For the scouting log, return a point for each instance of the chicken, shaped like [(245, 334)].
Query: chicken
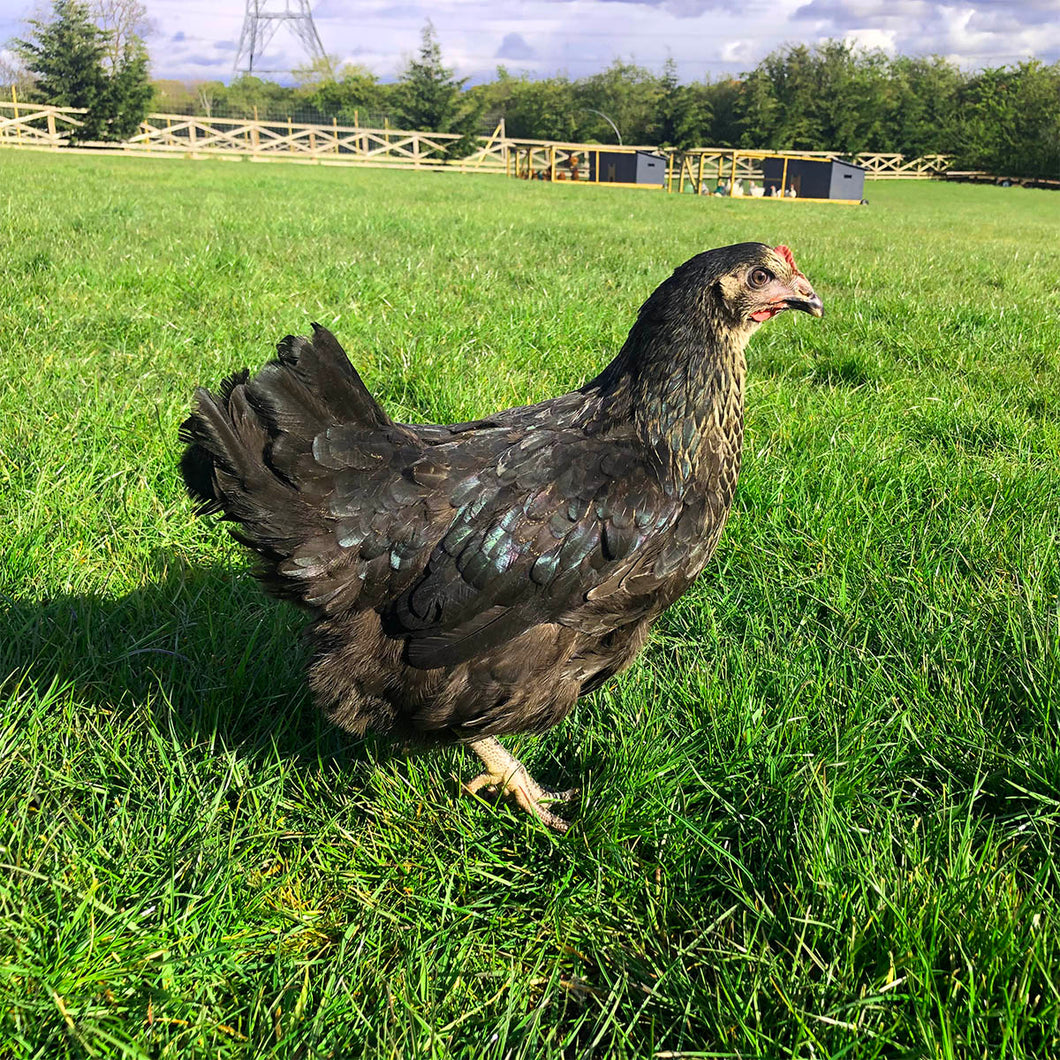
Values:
[(474, 580)]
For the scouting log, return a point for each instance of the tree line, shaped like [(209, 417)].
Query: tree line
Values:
[(825, 97)]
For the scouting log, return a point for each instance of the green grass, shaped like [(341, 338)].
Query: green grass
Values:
[(820, 812)]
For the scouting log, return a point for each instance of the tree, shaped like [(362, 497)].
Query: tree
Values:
[(209, 94), (125, 25), (756, 111), (428, 97), (923, 103), (318, 71), (1008, 121), (684, 112), (786, 91), (348, 90), (829, 97), (723, 97), (66, 56), (627, 94), (13, 74), (249, 95), (127, 91), (73, 68), (533, 109)]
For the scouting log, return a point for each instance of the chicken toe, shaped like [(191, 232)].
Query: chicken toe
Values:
[(507, 775)]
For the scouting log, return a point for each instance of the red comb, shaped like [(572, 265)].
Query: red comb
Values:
[(786, 254)]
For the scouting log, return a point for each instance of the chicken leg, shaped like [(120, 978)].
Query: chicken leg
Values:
[(505, 773)]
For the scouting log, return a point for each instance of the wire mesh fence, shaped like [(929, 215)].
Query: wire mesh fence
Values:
[(299, 112), (302, 114)]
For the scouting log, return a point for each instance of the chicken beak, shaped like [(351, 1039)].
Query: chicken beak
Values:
[(807, 300)]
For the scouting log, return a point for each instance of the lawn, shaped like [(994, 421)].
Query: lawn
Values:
[(818, 816)]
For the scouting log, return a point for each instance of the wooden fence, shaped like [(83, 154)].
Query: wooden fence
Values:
[(703, 164), (183, 136), (33, 126), (898, 166), (351, 145)]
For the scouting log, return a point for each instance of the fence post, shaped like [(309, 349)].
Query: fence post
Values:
[(18, 127), (254, 139), (51, 129), (335, 131)]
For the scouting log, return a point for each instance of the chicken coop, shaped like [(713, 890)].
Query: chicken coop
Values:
[(794, 176), (822, 178), (610, 165), (627, 167)]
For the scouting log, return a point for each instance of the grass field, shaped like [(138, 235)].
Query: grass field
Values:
[(819, 815)]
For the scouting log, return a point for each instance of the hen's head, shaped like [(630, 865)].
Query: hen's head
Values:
[(751, 283)]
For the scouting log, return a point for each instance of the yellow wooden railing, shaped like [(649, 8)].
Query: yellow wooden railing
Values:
[(181, 135)]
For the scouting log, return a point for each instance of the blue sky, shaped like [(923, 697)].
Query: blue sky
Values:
[(196, 39)]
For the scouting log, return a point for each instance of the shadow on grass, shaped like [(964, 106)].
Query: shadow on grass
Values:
[(688, 873), (209, 657), (202, 649)]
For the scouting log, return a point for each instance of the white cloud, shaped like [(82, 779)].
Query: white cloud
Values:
[(579, 37), (738, 52), (872, 39), (972, 33)]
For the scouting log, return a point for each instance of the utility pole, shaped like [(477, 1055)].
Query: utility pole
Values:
[(260, 24)]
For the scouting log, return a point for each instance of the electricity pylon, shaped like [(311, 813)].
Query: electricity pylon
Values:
[(260, 24)]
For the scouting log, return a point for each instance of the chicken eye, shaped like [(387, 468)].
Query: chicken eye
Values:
[(759, 277)]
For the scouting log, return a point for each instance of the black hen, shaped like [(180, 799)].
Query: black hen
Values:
[(472, 580)]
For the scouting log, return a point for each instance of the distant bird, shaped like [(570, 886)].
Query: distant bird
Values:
[(473, 580)]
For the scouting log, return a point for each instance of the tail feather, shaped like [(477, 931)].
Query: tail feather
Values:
[(250, 447), (321, 364), (214, 443)]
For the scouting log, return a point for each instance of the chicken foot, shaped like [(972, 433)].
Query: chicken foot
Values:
[(505, 773)]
